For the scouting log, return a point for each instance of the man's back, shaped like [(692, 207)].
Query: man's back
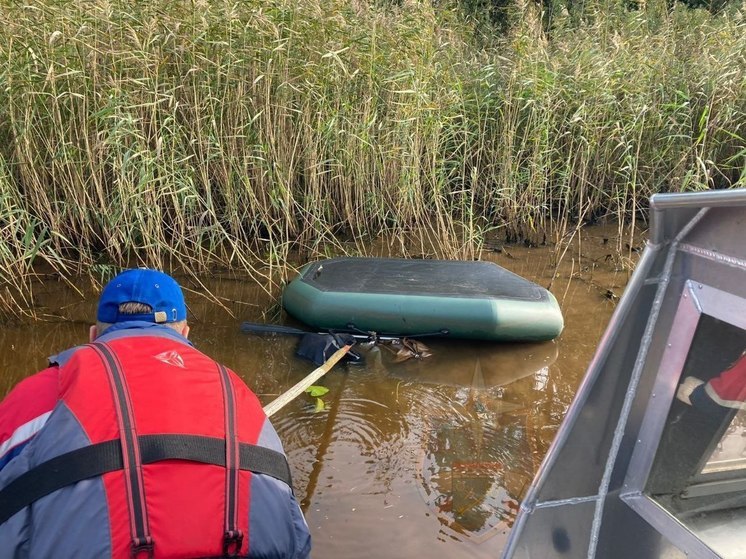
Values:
[(184, 441)]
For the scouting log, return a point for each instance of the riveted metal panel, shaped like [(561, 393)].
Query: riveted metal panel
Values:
[(694, 263)]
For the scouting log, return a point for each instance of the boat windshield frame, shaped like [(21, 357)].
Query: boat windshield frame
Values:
[(696, 300)]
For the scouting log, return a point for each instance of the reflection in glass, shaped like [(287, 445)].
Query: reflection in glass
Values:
[(699, 471), (730, 452)]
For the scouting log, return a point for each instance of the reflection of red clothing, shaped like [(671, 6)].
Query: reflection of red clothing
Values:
[(729, 388)]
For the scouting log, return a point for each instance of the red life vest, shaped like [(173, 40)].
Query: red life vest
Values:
[(159, 404)]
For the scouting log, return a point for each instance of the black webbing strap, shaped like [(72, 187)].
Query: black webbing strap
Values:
[(142, 541), (232, 536), (98, 459), (54, 474)]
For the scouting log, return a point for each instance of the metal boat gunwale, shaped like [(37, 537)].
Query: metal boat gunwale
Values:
[(592, 495)]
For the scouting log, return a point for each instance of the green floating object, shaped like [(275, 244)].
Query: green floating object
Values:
[(317, 391), (402, 297)]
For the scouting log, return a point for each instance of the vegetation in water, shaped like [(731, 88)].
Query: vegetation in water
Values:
[(317, 392), (249, 135)]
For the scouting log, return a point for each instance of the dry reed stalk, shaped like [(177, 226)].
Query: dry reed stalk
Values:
[(252, 135)]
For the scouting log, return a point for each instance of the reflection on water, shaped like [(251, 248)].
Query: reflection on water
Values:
[(473, 473), (479, 365), (730, 452), (414, 458)]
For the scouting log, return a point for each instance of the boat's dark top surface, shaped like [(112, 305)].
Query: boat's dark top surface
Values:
[(439, 278)]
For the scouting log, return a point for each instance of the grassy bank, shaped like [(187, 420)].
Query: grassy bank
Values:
[(236, 134)]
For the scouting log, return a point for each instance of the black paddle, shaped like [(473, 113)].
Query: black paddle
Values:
[(316, 347), (259, 328)]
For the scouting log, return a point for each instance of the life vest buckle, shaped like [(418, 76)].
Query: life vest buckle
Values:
[(142, 546), (232, 541)]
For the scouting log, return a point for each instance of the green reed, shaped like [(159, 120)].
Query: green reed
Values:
[(259, 134)]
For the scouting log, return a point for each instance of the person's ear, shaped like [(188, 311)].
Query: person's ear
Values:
[(92, 333), (185, 331)]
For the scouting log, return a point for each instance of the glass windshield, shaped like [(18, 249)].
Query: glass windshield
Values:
[(699, 471)]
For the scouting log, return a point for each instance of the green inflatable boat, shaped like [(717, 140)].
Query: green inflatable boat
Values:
[(402, 297)]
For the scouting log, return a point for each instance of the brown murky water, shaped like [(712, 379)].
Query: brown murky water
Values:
[(420, 458)]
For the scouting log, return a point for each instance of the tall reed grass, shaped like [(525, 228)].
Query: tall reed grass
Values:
[(250, 135)]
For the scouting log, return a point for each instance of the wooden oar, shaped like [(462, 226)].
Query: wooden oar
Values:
[(301, 386)]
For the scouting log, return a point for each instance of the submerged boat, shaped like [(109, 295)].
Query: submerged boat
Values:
[(647, 464), (460, 299)]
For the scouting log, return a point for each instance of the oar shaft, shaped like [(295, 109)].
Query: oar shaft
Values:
[(301, 386), (256, 328)]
